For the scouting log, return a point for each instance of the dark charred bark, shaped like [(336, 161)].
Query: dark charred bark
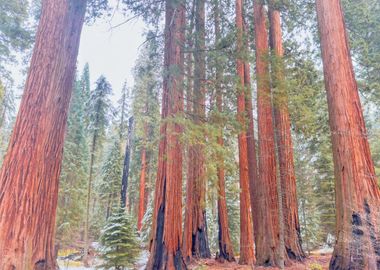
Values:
[(127, 160), (30, 173), (356, 191), (167, 216)]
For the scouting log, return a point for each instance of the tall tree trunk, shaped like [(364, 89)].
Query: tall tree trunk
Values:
[(89, 191), (357, 193), (196, 230), (167, 216), (292, 232), (142, 186), (247, 254), (224, 240), (266, 199), (188, 225), (30, 172), (251, 144), (127, 159)]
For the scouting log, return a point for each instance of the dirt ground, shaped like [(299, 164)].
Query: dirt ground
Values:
[(314, 262)]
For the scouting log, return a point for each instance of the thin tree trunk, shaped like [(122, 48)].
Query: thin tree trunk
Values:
[(188, 225), (89, 190), (30, 173), (292, 232), (167, 216), (266, 201), (142, 189), (356, 190), (127, 159), (224, 240), (247, 254)]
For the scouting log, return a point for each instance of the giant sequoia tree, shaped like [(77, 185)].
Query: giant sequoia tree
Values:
[(247, 255), (167, 216), (266, 222), (357, 193), (292, 233), (30, 172), (195, 231)]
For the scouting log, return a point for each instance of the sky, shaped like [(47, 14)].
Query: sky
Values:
[(111, 52)]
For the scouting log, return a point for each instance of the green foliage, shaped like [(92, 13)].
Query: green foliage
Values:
[(120, 244), (14, 33), (74, 170)]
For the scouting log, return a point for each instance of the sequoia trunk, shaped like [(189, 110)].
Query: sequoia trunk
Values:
[(266, 211), (142, 190), (167, 216), (225, 245), (247, 255), (198, 244), (357, 193), (292, 233), (30, 172)]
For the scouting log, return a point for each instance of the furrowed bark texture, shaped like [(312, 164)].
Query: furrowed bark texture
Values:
[(251, 144), (292, 232), (224, 240), (266, 213), (167, 216), (30, 173), (142, 189), (357, 194), (247, 254), (196, 232)]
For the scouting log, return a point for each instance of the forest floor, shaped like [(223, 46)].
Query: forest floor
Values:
[(313, 262), (316, 261)]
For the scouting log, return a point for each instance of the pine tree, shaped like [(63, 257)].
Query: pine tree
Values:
[(120, 244), (74, 173), (99, 113)]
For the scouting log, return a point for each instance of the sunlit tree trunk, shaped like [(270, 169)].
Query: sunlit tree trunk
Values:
[(167, 216), (247, 255), (357, 193), (30, 172), (266, 201), (224, 240), (292, 233)]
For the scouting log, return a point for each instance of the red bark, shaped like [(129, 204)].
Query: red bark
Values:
[(225, 245), (292, 233), (266, 210), (247, 255), (251, 144), (357, 193), (195, 231), (30, 172), (142, 190), (167, 216)]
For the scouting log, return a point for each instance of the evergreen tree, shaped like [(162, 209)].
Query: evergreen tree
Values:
[(120, 244), (99, 106), (72, 192)]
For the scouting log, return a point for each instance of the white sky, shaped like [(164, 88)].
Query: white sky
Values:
[(111, 52)]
